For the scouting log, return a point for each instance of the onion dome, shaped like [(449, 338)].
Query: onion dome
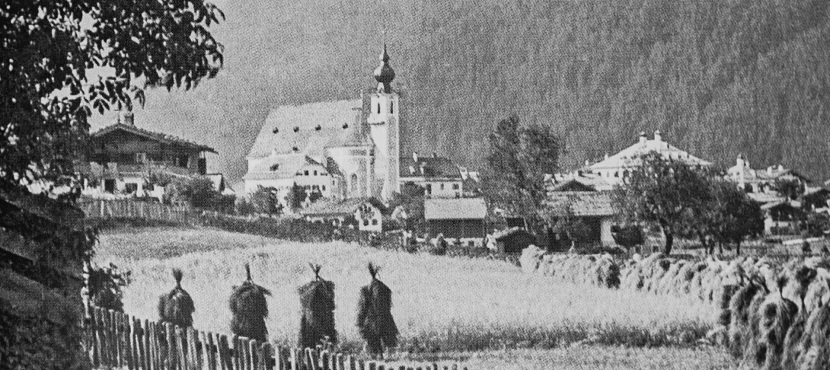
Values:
[(384, 74)]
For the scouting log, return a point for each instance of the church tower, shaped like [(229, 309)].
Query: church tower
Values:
[(383, 122)]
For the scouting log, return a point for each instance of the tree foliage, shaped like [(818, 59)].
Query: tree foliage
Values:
[(665, 193), (49, 48), (518, 159), (265, 200), (411, 201), (730, 216)]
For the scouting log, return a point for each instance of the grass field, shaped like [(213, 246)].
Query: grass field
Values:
[(443, 306)]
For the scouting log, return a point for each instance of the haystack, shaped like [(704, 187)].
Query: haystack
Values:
[(249, 309), (176, 306), (374, 316), (814, 348), (317, 318), (770, 322)]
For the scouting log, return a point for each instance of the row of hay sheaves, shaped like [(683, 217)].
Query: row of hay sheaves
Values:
[(773, 314)]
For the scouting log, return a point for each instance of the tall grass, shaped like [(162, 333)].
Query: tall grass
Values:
[(439, 303)]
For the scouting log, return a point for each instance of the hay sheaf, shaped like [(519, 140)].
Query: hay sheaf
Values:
[(176, 306), (249, 309)]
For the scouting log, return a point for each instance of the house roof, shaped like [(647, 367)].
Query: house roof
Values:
[(326, 207), (156, 136), (781, 204), (582, 203), (429, 167), (454, 208), (286, 167), (630, 157), (311, 128), (766, 197), (771, 173)]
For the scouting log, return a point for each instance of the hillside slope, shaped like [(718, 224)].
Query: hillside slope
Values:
[(718, 78)]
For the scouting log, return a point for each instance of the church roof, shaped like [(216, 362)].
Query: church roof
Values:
[(309, 129), (629, 157)]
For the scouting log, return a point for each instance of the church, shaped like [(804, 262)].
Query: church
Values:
[(337, 149)]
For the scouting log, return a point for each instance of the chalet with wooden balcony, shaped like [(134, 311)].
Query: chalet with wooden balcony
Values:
[(124, 159)]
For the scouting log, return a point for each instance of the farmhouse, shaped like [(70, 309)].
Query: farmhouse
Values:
[(460, 219), (614, 169), (593, 208), (438, 176), (343, 149), (366, 212), (124, 158), (782, 217)]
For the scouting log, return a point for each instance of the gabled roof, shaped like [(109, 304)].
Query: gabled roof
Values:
[(582, 203), (630, 157), (454, 209), (327, 207), (429, 167), (155, 136), (310, 128)]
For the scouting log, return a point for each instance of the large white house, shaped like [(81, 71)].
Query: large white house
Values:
[(341, 149), (614, 169)]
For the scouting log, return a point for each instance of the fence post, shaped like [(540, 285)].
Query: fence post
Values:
[(192, 348), (295, 358), (180, 348), (250, 352), (224, 353)]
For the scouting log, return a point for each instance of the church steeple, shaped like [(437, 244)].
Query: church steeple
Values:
[(384, 74)]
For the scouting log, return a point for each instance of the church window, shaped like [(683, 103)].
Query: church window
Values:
[(276, 130), (391, 107), (442, 186), (296, 128), (353, 185), (318, 128), (323, 187), (275, 166), (378, 108)]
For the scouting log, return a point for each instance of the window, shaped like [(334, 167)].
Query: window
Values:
[(130, 187), (378, 108), (374, 221), (429, 188), (140, 157), (315, 172), (365, 222), (305, 172), (323, 188), (391, 107), (275, 166), (442, 186), (454, 186), (182, 160)]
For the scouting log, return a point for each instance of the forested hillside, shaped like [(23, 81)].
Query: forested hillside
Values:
[(717, 77)]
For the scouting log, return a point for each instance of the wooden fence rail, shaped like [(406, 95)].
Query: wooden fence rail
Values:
[(106, 209), (115, 339)]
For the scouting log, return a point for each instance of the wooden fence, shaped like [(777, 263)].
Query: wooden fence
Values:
[(126, 208), (115, 339)]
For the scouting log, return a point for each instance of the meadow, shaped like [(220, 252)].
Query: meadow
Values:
[(483, 311)]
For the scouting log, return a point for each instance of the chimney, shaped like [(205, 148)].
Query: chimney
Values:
[(740, 162), (128, 118), (587, 163), (642, 137), (657, 137), (415, 156), (606, 154)]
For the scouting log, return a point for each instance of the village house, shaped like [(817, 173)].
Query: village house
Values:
[(366, 212), (124, 158), (616, 168), (438, 176), (342, 149), (579, 201), (457, 219)]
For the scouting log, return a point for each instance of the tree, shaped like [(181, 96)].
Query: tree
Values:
[(296, 196), (47, 98), (663, 193), (518, 160), (730, 216), (789, 187), (265, 200), (628, 235), (411, 200)]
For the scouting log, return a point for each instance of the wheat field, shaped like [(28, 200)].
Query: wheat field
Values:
[(441, 304)]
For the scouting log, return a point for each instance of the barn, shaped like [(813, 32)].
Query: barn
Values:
[(458, 219)]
